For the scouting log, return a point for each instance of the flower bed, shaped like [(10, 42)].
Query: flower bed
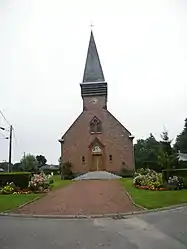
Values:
[(150, 188), (39, 183), (150, 180)]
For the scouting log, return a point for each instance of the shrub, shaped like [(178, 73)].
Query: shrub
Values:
[(148, 179), (175, 183), (20, 179), (174, 172), (39, 182), (145, 171), (8, 189), (67, 173), (139, 180), (51, 181)]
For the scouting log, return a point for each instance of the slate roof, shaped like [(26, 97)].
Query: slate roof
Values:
[(93, 71)]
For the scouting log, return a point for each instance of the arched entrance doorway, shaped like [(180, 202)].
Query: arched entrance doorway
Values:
[(97, 156)]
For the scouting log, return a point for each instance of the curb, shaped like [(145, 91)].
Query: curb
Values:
[(114, 216), (136, 205)]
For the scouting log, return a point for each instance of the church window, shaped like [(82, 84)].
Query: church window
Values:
[(83, 159), (92, 127), (110, 157), (95, 126)]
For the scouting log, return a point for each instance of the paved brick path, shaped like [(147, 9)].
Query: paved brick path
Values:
[(83, 197)]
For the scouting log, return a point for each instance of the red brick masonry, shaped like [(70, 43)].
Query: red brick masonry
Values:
[(83, 198)]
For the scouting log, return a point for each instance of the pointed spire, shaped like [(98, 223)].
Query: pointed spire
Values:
[(93, 71)]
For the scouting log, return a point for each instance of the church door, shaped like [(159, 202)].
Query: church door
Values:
[(97, 163)]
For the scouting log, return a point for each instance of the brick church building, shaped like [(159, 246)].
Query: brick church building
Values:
[(96, 140)]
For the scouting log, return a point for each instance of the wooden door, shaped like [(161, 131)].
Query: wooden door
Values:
[(97, 163)]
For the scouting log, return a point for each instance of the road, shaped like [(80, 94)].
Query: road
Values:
[(162, 230)]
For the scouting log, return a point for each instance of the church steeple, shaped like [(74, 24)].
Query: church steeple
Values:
[(93, 71), (93, 80)]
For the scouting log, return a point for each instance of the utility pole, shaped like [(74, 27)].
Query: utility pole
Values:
[(10, 149)]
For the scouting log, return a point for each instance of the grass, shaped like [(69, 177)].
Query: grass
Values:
[(58, 183), (154, 199), (8, 202)]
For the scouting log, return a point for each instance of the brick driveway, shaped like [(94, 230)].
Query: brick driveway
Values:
[(83, 198)]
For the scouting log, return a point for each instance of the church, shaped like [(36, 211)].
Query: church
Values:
[(96, 141)]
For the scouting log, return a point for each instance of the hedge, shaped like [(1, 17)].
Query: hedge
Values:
[(174, 172), (21, 179)]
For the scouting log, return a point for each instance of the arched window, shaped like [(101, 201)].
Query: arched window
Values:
[(95, 125)]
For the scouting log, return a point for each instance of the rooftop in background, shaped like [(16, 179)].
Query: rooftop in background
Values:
[(51, 166), (182, 156)]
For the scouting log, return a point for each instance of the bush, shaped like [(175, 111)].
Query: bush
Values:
[(67, 173), (8, 189), (148, 178), (145, 171), (39, 182), (20, 179), (51, 181), (175, 183), (139, 180), (182, 173)]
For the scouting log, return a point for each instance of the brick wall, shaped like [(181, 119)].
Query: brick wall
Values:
[(114, 138)]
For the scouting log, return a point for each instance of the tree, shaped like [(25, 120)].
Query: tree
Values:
[(167, 161), (146, 153), (17, 167), (181, 140), (29, 163), (41, 160), (167, 156), (4, 165), (166, 143)]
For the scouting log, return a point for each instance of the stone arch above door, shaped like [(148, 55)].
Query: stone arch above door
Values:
[(96, 146), (97, 156)]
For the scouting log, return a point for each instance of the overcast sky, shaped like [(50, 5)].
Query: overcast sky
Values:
[(43, 43)]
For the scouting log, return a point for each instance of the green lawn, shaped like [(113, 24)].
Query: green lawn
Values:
[(154, 199), (58, 183), (8, 202)]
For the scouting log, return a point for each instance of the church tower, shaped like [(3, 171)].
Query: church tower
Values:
[(93, 87), (96, 141)]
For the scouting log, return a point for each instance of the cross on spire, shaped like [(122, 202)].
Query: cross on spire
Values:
[(91, 25)]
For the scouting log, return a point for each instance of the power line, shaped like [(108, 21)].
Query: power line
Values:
[(2, 134), (4, 118), (4, 137)]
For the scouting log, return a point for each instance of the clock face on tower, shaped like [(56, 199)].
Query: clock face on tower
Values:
[(93, 101)]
